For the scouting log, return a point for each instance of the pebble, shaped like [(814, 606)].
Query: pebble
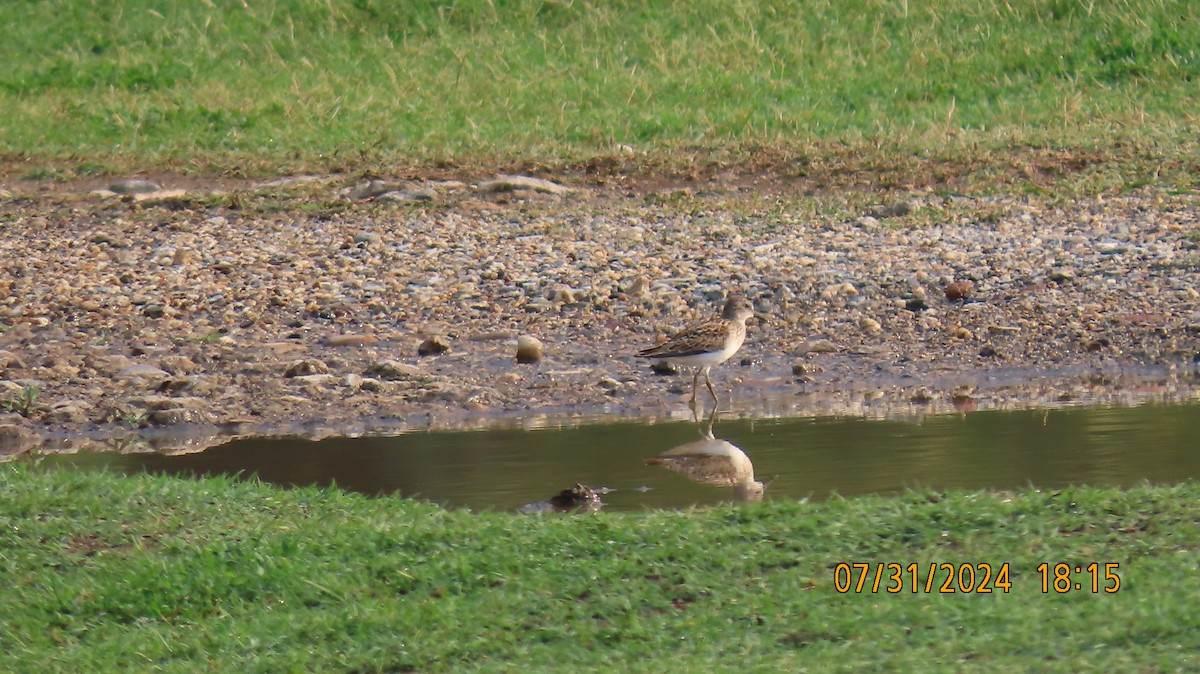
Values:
[(390, 370), (959, 290), (609, 384), (870, 325), (301, 368), (839, 290), (324, 380), (529, 349), (70, 411), (1062, 274), (177, 364), (663, 367), (434, 345)]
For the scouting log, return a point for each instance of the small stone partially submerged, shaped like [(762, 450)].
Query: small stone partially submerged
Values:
[(529, 349)]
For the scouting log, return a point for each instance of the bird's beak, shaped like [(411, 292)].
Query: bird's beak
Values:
[(762, 317)]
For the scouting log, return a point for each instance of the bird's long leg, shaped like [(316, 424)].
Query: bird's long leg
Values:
[(712, 417), (708, 382), (695, 385)]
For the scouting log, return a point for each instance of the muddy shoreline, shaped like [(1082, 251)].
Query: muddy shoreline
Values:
[(176, 315)]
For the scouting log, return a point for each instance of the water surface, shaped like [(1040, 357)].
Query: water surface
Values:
[(794, 457)]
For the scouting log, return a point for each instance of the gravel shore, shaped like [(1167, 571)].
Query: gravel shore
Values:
[(192, 310)]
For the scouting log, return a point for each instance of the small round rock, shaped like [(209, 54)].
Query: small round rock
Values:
[(433, 346), (302, 368), (529, 349), (959, 290)]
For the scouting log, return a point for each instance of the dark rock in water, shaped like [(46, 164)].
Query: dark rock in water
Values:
[(664, 367), (916, 304)]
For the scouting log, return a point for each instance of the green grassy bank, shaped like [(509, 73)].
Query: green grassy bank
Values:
[(266, 85), (103, 573)]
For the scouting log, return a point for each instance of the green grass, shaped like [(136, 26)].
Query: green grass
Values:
[(224, 85), (104, 573)]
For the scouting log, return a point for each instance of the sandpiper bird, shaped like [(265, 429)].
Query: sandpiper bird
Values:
[(707, 344)]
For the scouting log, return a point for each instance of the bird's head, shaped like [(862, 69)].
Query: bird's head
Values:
[(737, 308)]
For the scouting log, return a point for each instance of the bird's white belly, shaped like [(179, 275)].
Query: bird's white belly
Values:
[(704, 359)]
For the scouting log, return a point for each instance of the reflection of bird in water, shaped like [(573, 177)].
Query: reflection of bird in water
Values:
[(716, 462), (707, 344)]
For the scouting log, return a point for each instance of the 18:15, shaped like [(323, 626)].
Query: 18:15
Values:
[(1057, 577)]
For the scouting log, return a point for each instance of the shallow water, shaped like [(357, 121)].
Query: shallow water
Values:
[(793, 457)]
